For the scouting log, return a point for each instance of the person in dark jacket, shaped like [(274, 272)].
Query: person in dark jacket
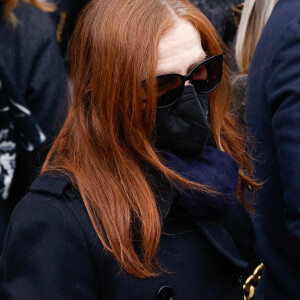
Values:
[(273, 117), (32, 97), (65, 18), (141, 196), (220, 14)]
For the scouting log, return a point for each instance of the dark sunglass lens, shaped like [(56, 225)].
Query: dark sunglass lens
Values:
[(207, 76), (200, 73), (168, 90)]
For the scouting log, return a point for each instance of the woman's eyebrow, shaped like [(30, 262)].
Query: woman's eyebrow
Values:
[(198, 61)]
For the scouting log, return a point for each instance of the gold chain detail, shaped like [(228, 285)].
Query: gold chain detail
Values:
[(251, 283), (60, 26)]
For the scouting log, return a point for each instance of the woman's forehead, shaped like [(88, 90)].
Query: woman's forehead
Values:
[(179, 48)]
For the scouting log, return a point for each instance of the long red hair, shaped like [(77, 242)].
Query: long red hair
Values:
[(107, 135)]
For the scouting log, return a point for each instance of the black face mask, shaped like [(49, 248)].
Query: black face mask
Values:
[(182, 127)]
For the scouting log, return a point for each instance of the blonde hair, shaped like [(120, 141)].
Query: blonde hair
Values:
[(10, 5), (254, 18)]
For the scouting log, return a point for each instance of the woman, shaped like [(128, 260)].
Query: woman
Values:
[(32, 95), (138, 197)]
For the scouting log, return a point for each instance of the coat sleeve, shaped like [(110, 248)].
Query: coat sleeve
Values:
[(283, 92), (45, 255)]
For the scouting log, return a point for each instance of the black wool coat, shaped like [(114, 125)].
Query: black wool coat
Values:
[(52, 252)]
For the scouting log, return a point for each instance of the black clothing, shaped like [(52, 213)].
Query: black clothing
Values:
[(220, 14), (65, 18), (52, 251), (33, 80)]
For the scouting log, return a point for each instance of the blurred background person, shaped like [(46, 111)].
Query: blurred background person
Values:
[(220, 13), (69, 11), (64, 18), (32, 96), (254, 18), (268, 50)]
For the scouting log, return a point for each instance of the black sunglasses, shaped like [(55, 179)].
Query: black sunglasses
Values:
[(205, 77)]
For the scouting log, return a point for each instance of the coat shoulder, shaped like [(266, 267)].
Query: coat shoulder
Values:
[(53, 203), (55, 184), (44, 245), (48, 201), (284, 17)]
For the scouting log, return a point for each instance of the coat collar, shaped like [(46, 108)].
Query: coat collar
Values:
[(53, 183), (56, 184)]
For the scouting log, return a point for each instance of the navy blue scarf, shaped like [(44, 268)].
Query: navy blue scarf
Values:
[(221, 218), (215, 169)]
